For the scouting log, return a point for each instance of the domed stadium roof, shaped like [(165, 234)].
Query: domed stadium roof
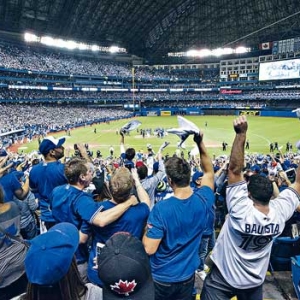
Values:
[(152, 28)]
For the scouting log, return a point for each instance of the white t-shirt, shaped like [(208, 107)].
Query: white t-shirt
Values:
[(242, 250)]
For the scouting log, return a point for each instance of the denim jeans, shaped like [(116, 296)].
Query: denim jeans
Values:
[(206, 245), (30, 231), (182, 290)]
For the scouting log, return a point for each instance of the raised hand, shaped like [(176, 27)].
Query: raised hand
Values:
[(240, 125)]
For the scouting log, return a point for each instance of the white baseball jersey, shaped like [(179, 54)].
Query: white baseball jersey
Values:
[(242, 250)]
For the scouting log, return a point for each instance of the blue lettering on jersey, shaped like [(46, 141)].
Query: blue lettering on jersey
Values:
[(259, 229)]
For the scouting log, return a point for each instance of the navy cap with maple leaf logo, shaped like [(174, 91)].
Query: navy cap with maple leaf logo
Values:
[(124, 268)]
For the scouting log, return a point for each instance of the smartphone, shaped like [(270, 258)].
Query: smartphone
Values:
[(99, 247), (290, 173), (75, 147)]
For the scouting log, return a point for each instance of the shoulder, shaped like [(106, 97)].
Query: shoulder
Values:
[(140, 207), (10, 207), (106, 204), (163, 204), (204, 190), (61, 188)]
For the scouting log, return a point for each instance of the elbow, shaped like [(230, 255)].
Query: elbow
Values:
[(235, 171), (102, 223), (99, 221), (148, 250), (22, 195)]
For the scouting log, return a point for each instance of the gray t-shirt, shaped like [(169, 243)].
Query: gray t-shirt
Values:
[(94, 292)]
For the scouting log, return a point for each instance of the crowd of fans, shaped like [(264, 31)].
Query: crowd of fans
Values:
[(41, 68), (121, 97), (72, 207), (99, 197), (27, 121), (12, 57)]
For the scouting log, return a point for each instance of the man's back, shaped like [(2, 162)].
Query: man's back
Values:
[(9, 183), (179, 223), (43, 178), (249, 233), (132, 221)]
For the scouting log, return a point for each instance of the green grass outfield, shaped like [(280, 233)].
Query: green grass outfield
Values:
[(261, 131)]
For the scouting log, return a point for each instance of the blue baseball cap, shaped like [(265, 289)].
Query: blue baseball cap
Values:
[(3, 152), (216, 168), (197, 175), (50, 255), (255, 168), (50, 143)]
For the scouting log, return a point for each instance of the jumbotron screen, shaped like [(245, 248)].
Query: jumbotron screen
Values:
[(278, 70)]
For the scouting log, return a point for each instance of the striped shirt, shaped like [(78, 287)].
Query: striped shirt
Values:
[(12, 253)]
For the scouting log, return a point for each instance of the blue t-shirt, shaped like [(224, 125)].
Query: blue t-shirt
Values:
[(10, 183), (211, 218), (43, 178), (179, 224), (132, 221), (72, 205)]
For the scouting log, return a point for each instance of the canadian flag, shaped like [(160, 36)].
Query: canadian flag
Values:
[(265, 46)]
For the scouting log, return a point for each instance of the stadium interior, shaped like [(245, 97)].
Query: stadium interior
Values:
[(167, 57)]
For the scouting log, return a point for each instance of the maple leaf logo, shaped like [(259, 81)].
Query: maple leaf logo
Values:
[(123, 287)]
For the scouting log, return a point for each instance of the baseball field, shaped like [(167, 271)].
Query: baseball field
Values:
[(261, 132)]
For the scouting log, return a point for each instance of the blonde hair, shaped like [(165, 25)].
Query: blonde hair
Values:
[(121, 184)]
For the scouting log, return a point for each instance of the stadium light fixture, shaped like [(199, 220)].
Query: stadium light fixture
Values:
[(205, 52), (241, 50), (217, 52), (82, 46), (208, 52), (113, 49), (70, 45), (95, 48), (47, 40), (60, 43), (227, 51), (29, 37), (192, 53)]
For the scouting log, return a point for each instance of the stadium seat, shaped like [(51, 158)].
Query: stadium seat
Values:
[(282, 250)]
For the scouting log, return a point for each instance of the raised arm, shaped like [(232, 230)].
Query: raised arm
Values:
[(205, 161), (83, 152), (296, 184), (236, 162), (142, 194), (122, 141)]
